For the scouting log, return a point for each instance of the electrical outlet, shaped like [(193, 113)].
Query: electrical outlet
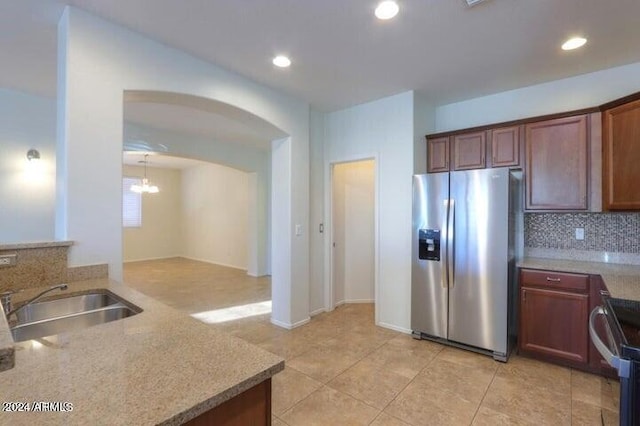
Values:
[(579, 233), (7, 260)]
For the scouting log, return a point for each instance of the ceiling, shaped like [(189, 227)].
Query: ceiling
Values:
[(160, 161), (341, 54), (192, 121)]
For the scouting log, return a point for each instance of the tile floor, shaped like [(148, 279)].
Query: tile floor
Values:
[(343, 370)]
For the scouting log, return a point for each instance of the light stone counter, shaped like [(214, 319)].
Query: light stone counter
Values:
[(622, 281), (7, 354), (42, 244), (157, 367)]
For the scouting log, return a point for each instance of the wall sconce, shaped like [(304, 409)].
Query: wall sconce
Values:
[(34, 169), (33, 154)]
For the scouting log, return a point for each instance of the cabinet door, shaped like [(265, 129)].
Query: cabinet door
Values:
[(554, 324), (505, 146), (469, 151), (251, 407), (621, 157), (556, 164), (438, 155)]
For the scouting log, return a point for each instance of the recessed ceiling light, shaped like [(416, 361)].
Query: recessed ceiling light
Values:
[(281, 61), (387, 10), (574, 43)]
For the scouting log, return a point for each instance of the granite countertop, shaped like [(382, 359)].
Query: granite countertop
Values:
[(41, 244), (157, 367), (622, 281)]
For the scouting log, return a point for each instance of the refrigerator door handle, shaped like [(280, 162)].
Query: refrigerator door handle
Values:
[(451, 256), (445, 244)]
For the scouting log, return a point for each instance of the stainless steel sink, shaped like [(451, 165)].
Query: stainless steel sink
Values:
[(65, 306), (71, 313)]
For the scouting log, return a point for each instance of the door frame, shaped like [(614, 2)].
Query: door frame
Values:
[(329, 292)]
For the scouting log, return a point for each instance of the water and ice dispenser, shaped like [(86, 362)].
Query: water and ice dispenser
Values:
[(429, 244)]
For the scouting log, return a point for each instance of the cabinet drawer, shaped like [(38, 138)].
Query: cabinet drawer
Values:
[(557, 280)]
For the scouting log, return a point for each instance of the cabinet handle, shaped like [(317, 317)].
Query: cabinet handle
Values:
[(524, 295), (554, 280)]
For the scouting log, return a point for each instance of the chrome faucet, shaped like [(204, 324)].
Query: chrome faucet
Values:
[(6, 299)]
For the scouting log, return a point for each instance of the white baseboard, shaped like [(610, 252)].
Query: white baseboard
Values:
[(215, 263), (197, 260), (342, 302), (302, 322), (394, 327), (359, 301), (317, 312), (290, 326), (256, 275), (151, 258)]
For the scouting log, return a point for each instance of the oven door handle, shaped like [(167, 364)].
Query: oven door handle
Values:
[(623, 366)]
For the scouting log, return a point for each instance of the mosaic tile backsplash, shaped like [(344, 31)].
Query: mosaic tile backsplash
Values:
[(603, 232)]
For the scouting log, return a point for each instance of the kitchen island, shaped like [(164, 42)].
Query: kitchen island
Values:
[(157, 367)]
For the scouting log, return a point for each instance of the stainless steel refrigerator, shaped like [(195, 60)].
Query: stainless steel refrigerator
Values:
[(467, 236)]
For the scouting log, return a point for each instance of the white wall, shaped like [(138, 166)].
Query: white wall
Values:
[(583, 91), (97, 61), (316, 211), (215, 214), (424, 123), (252, 160), (383, 130), (353, 225), (159, 236), (27, 193), (226, 153)]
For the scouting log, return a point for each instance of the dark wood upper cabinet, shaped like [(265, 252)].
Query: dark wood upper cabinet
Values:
[(466, 151), (556, 164), (438, 155), (469, 150), (621, 157), (505, 146)]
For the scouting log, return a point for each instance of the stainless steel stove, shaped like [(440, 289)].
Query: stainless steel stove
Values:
[(621, 350)]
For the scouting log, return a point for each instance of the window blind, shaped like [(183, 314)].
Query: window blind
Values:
[(131, 203)]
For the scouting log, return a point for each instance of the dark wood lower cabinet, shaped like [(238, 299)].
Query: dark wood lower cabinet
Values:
[(554, 319), (553, 324), (252, 407)]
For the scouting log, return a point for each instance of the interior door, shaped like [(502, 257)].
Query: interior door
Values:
[(478, 278), (428, 277), (353, 231)]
